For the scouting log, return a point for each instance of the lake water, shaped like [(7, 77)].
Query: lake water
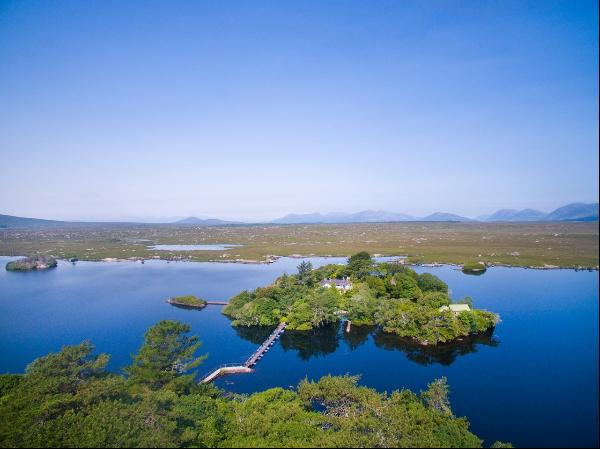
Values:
[(206, 247), (533, 382)]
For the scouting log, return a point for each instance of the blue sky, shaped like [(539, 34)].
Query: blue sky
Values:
[(251, 110)]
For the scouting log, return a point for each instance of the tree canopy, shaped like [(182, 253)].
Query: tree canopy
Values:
[(68, 399), (359, 265), (167, 354)]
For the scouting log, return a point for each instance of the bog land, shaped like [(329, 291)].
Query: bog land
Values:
[(556, 244)]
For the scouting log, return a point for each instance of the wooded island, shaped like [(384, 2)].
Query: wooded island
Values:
[(390, 295)]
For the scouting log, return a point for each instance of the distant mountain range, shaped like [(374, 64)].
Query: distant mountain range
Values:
[(516, 215), (570, 212), (204, 221), (365, 216)]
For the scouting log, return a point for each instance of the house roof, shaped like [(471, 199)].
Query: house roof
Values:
[(336, 282), (456, 308)]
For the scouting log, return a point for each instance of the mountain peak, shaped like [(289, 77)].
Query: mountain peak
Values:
[(445, 216), (203, 221)]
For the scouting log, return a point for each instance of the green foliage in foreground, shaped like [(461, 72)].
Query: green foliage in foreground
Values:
[(392, 296), (166, 353), (68, 399)]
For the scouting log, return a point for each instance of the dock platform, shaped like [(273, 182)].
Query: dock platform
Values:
[(247, 367)]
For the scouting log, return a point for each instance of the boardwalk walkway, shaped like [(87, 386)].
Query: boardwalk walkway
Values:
[(265, 346), (175, 302), (252, 360)]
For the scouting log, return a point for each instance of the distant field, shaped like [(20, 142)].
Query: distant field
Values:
[(564, 244)]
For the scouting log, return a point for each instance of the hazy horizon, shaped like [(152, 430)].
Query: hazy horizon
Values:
[(170, 219), (251, 111)]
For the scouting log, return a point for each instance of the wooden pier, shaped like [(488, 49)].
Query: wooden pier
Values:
[(258, 354), (224, 370), (183, 305)]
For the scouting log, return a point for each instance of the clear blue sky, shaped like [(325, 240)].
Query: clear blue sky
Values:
[(250, 110)]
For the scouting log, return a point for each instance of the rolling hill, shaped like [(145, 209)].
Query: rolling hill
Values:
[(205, 221), (516, 215), (574, 212), (11, 221), (445, 216)]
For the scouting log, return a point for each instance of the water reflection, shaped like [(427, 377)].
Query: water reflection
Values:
[(358, 335), (325, 340), (443, 354), (314, 343), (254, 334)]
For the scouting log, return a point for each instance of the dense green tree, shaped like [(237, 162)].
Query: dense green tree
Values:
[(165, 356), (361, 417), (429, 283), (395, 268), (8, 382), (407, 319), (305, 273), (436, 396), (324, 303), (377, 286), (361, 306), (67, 399), (359, 265), (300, 317), (274, 418), (46, 392), (434, 300), (329, 271), (404, 286)]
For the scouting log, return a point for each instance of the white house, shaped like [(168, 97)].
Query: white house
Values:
[(456, 308), (341, 284)]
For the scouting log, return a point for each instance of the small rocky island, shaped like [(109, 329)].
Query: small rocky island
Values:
[(32, 263), (188, 302), (391, 296), (474, 268)]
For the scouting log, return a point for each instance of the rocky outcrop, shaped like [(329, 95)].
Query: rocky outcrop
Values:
[(32, 263)]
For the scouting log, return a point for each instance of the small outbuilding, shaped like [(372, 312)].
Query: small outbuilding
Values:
[(456, 308)]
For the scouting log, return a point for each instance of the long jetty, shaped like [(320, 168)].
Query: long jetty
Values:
[(174, 302), (252, 360)]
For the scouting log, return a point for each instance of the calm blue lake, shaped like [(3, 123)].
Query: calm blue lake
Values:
[(534, 382)]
